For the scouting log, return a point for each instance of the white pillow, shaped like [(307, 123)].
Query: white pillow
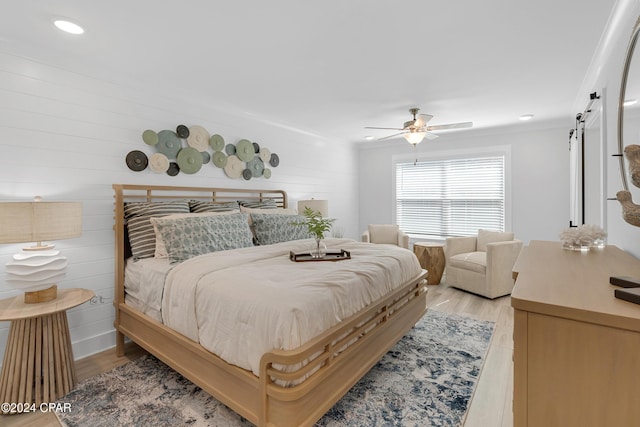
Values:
[(161, 250)]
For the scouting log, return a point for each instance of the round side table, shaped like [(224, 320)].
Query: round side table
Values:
[(431, 257), (38, 364)]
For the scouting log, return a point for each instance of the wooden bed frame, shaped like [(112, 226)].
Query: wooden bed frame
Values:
[(338, 358)]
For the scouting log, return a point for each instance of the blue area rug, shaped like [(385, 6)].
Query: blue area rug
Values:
[(427, 379)]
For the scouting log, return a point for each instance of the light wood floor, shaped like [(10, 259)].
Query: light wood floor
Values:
[(492, 402)]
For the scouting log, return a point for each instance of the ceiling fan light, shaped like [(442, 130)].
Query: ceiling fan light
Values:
[(414, 138)]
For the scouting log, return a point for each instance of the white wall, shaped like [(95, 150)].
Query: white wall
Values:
[(539, 170), (65, 137)]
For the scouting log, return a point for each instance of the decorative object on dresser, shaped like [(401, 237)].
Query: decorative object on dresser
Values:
[(385, 233), (38, 364), (482, 264), (282, 379), (583, 237), (245, 159), (37, 268), (431, 257)]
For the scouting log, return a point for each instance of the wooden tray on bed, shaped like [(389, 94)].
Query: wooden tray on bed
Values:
[(332, 255)]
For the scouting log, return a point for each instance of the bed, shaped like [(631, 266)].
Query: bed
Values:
[(294, 382)]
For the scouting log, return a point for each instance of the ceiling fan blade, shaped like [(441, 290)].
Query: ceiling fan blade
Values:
[(370, 127), (430, 135), (391, 136), (423, 119), (451, 126)]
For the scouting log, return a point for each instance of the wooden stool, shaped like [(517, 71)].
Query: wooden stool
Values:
[(431, 257)]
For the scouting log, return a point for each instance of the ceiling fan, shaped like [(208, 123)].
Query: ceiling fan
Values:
[(416, 130)]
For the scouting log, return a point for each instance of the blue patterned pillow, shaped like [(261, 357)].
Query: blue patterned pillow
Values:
[(188, 237), (274, 228)]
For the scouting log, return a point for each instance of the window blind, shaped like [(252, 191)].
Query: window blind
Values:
[(451, 197)]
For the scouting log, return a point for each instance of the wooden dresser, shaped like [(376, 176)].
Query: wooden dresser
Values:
[(576, 347)]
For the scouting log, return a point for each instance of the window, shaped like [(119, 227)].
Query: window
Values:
[(451, 197)]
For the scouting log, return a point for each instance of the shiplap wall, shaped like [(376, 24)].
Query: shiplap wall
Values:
[(64, 136)]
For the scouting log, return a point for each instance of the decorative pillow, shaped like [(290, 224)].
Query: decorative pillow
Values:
[(188, 237), (269, 211), (200, 206), (270, 228), (142, 238), (487, 236), (383, 233), (254, 204), (161, 249)]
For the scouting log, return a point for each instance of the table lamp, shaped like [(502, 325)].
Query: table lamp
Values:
[(321, 206), (36, 268)]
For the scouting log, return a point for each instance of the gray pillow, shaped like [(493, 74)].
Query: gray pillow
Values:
[(275, 228), (186, 238)]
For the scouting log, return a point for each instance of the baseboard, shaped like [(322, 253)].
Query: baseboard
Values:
[(94, 344)]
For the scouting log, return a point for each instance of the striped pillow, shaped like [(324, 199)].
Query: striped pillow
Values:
[(142, 237), (254, 204), (197, 206)]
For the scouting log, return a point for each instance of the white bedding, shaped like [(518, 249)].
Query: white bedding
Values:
[(242, 303), (144, 284)]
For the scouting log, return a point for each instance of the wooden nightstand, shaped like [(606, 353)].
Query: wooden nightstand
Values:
[(431, 257), (38, 362)]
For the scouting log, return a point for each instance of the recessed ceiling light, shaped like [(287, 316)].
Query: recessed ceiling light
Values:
[(368, 138), (68, 27), (526, 117), (629, 102)]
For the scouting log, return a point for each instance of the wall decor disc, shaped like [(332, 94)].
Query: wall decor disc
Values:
[(159, 163), (168, 143), (230, 149), (265, 154), (246, 174), (174, 169), (190, 160), (206, 157), (256, 166), (198, 138), (219, 159), (217, 142), (244, 150), (182, 131), (256, 148), (234, 167), (137, 161), (150, 137), (266, 173), (274, 161)]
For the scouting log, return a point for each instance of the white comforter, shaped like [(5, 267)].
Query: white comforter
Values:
[(242, 303)]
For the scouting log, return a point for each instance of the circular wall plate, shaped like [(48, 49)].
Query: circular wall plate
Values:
[(168, 143), (230, 149), (246, 174), (174, 169), (234, 167), (198, 138), (206, 157), (256, 166), (256, 148), (150, 137), (266, 173), (189, 160), (137, 161), (265, 154), (158, 163), (244, 150), (216, 142), (182, 131), (274, 161), (219, 159)]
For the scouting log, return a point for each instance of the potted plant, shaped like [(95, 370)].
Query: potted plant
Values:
[(317, 226)]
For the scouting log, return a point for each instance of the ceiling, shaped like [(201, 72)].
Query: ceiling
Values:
[(329, 68)]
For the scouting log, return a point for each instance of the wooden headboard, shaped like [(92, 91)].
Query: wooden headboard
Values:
[(149, 193)]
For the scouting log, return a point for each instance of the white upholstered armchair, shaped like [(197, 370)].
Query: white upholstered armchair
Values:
[(386, 233), (483, 264)]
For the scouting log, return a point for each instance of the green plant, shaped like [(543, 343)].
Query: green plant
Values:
[(315, 223)]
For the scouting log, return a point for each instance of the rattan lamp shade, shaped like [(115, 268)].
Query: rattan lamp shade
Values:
[(39, 221), (321, 206)]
